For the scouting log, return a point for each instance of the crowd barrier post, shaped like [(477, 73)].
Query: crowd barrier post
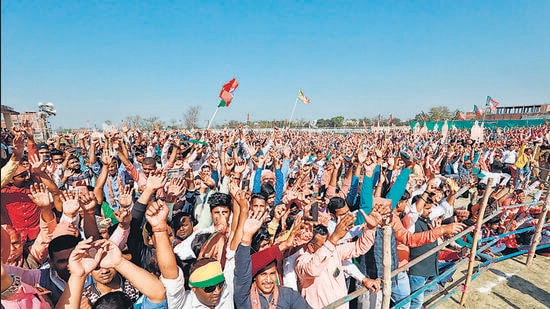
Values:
[(538, 230), (386, 266), (477, 233)]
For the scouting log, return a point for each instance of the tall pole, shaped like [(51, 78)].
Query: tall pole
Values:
[(212, 119), (477, 232), (538, 230), (292, 114)]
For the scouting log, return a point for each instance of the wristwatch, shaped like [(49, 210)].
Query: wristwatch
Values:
[(13, 288)]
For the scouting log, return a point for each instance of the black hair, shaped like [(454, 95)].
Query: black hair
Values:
[(291, 217), (261, 235), (61, 243), (266, 190), (258, 196), (220, 199), (415, 198), (113, 300), (319, 230), (335, 203), (481, 186), (406, 195), (176, 219), (56, 152), (199, 241)]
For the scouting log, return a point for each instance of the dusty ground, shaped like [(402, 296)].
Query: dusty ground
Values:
[(508, 284)]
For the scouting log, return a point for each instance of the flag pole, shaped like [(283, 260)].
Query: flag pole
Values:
[(292, 114), (212, 119)]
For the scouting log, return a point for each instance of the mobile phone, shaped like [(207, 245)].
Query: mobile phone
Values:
[(314, 213), (174, 173)]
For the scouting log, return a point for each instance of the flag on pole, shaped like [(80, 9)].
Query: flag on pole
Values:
[(492, 104), (226, 94), (391, 119), (478, 111), (302, 97), (423, 116)]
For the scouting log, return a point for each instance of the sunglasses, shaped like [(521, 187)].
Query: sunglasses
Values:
[(212, 288), (22, 175)]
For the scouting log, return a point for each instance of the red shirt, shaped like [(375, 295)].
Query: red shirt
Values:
[(23, 213)]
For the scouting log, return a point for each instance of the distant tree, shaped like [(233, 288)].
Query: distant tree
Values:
[(191, 117), (174, 124), (337, 121), (439, 113), (149, 123), (135, 121)]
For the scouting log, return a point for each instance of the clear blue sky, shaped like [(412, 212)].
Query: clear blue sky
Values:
[(106, 60)]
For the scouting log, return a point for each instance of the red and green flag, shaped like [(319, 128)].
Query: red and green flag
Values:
[(302, 97), (492, 104), (226, 94), (478, 111)]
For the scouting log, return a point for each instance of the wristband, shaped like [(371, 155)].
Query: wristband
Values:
[(161, 229)]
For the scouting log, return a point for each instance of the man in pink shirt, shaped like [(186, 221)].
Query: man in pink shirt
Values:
[(319, 269)]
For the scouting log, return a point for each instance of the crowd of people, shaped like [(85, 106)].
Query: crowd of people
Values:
[(236, 218)]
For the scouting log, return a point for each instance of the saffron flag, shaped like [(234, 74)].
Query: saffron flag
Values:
[(478, 110), (302, 97), (492, 104), (226, 94)]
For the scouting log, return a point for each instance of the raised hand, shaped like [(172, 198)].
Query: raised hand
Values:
[(253, 223), (18, 147), (240, 166), (156, 179), (84, 258), (88, 201), (261, 160), (37, 163), (124, 217), (26, 125), (113, 255), (342, 228), (70, 203), (176, 187), (125, 197), (286, 152), (40, 195), (156, 214)]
